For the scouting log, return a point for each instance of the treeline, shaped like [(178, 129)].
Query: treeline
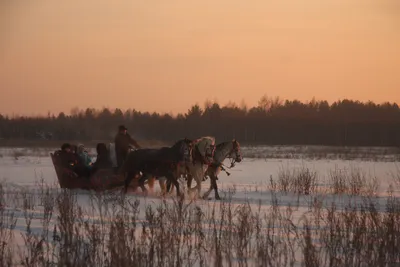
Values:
[(271, 122)]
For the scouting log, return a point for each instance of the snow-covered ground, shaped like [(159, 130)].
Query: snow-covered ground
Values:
[(255, 185), (262, 152)]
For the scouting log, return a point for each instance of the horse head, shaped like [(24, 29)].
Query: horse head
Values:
[(184, 148), (235, 153)]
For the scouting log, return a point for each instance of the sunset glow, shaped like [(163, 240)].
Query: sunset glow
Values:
[(165, 56)]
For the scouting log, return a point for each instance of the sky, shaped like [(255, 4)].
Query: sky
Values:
[(165, 56)]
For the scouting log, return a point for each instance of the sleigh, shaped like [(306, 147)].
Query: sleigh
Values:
[(101, 180)]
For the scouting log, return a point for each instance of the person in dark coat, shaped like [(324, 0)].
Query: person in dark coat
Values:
[(103, 161), (68, 158), (122, 142)]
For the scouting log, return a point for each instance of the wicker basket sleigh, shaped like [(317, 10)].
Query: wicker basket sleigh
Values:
[(101, 180)]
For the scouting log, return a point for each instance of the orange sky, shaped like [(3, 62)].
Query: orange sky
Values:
[(167, 55)]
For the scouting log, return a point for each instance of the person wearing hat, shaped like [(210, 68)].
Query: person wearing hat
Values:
[(68, 157), (122, 142)]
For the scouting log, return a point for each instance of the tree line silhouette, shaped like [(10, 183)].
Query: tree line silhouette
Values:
[(272, 122)]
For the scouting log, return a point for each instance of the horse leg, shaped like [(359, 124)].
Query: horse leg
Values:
[(214, 178), (189, 179), (150, 182), (214, 184), (199, 179), (162, 185), (142, 181), (209, 173), (198, 175), (128, 179), (165, 185), (174, 180), (206, 194), (168, 186)]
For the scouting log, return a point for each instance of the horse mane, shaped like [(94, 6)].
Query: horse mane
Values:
[(220, 145), (179, 142)]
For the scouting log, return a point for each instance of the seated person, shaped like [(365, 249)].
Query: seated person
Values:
[(103, 161), (84, 156), (81, 167), (68, 159), (73, 161), (74, 148), (66, 148)]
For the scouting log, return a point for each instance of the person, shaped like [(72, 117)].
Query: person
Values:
[(84, 156), (73, 149), (79, 166), (67, 157), (102, 161), (65, 148), (122, 142)]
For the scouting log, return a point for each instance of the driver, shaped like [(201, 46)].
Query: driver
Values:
[(122, 142)]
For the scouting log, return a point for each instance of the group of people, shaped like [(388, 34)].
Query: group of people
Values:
[(78, 159)]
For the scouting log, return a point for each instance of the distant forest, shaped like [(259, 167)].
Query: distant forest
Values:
[(272, 122)]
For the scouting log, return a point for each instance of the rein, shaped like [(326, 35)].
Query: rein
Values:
[(224, 167)]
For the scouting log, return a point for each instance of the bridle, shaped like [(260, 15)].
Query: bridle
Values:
[(235, 150), (233, 160)]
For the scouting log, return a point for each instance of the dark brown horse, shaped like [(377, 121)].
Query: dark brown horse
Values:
[(168, 162)]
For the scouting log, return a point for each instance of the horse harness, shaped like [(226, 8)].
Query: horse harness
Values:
[(221, 165)]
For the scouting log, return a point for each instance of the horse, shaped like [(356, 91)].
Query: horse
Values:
[(229, 149), (165, 162), (202, 157)]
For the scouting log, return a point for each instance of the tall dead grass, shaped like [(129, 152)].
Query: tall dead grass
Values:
[(353, 182), (297, 180), (304, 181), (111, 230)]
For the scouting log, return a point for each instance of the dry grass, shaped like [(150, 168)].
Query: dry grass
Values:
[(113, 231), (297, 180), (304, 181), (353, 182)]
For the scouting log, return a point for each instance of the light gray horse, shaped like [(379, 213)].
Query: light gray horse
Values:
[(229, 149), (203, 156)]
